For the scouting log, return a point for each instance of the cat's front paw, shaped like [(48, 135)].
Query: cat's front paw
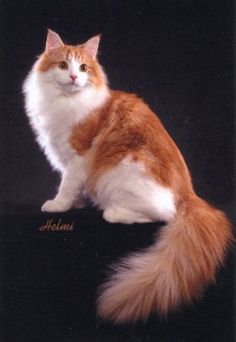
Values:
[(54, 206)]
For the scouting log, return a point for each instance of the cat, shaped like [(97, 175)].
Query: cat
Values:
[(110, 147)]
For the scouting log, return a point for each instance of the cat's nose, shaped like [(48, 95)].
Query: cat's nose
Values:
[(73, 77)]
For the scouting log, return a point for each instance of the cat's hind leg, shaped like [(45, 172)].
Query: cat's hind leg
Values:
[(127, 194), (118, 214), (155, 204)]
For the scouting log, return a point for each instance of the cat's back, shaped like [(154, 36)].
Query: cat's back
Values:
[(129, 117), (129, 106), (124, 122)]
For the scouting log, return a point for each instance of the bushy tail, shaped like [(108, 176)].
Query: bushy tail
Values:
[(174, 270)]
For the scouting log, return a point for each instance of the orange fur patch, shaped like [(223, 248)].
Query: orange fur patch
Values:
[(126, 126)]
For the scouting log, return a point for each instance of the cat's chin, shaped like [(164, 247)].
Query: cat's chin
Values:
[(70, 87)]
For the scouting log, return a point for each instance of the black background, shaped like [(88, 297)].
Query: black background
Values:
[(178, 56)]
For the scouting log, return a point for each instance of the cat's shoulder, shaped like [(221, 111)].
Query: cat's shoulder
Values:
[(126, 101)]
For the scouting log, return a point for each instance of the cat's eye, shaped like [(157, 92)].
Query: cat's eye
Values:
[(83, 67), (63, 65)]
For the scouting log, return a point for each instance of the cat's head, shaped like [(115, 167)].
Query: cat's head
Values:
[(71, 68)]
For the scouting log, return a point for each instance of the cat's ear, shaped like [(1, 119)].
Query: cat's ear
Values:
[(91, 46), (53, 41)]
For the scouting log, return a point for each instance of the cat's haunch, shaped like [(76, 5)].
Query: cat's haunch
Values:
[(109, 146)]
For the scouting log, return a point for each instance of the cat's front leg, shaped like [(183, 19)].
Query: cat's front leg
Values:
[(70, 188)]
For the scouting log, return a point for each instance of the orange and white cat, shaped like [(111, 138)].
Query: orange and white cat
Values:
[(110, 146)]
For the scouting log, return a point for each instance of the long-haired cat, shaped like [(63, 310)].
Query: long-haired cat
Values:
[(109, 145)]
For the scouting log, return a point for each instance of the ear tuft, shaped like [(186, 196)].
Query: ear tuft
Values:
[(91, 46), (53, 41)]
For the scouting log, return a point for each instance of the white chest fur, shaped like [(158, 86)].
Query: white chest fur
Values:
[(52, 114)]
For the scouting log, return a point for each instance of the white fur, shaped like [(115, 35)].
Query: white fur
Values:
[(53, 110), (52, 113), (71, 187), (127, 195)]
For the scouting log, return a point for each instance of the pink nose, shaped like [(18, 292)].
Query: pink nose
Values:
[(73, 77)]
